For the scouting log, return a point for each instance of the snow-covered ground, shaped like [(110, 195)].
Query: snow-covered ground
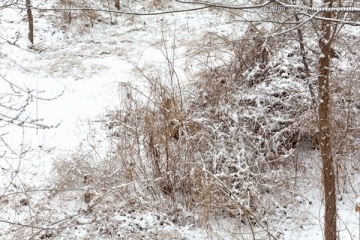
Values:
[(81, 68)]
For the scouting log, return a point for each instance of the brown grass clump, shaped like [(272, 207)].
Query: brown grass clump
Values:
[(207, 153), (220, 147), (82, 14)]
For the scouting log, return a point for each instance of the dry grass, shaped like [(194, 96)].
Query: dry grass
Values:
[(192, 154), (206, 151), (82, 18)]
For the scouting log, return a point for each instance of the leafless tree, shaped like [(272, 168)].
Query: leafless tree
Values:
[(30, 21)]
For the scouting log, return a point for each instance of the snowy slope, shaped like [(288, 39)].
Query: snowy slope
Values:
[(81, 67)]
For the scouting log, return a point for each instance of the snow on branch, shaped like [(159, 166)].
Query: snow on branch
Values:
[(282, 6)]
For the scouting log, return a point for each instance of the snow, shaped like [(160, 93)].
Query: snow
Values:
[(82, 71), (358, 201)]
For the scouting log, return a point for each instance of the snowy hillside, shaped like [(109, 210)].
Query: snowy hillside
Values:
[(172, 126)]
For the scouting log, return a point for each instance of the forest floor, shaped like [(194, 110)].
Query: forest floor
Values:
[(79, 67)]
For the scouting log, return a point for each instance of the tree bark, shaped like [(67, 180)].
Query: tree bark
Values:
[(30, 20), (328, 172), (117, 4), (306, 66)]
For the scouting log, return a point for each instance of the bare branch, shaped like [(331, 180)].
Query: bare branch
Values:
[(116, 12)]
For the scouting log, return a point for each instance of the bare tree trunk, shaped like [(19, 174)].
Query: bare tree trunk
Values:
[(325, 44), (30, 20), (117, 4), (306, 66)]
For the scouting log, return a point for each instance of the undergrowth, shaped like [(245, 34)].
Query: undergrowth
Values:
[(221, 147)]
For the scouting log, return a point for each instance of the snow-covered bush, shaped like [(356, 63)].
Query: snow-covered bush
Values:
[(224, 144), (82, 11), (253, 107)]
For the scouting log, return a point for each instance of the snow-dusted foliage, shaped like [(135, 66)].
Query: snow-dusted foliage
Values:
[(216, 148), (253, 116), (229, 143), (226, 145)]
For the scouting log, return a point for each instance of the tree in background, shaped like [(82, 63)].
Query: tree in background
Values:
[(30, 21), (328, 33)]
